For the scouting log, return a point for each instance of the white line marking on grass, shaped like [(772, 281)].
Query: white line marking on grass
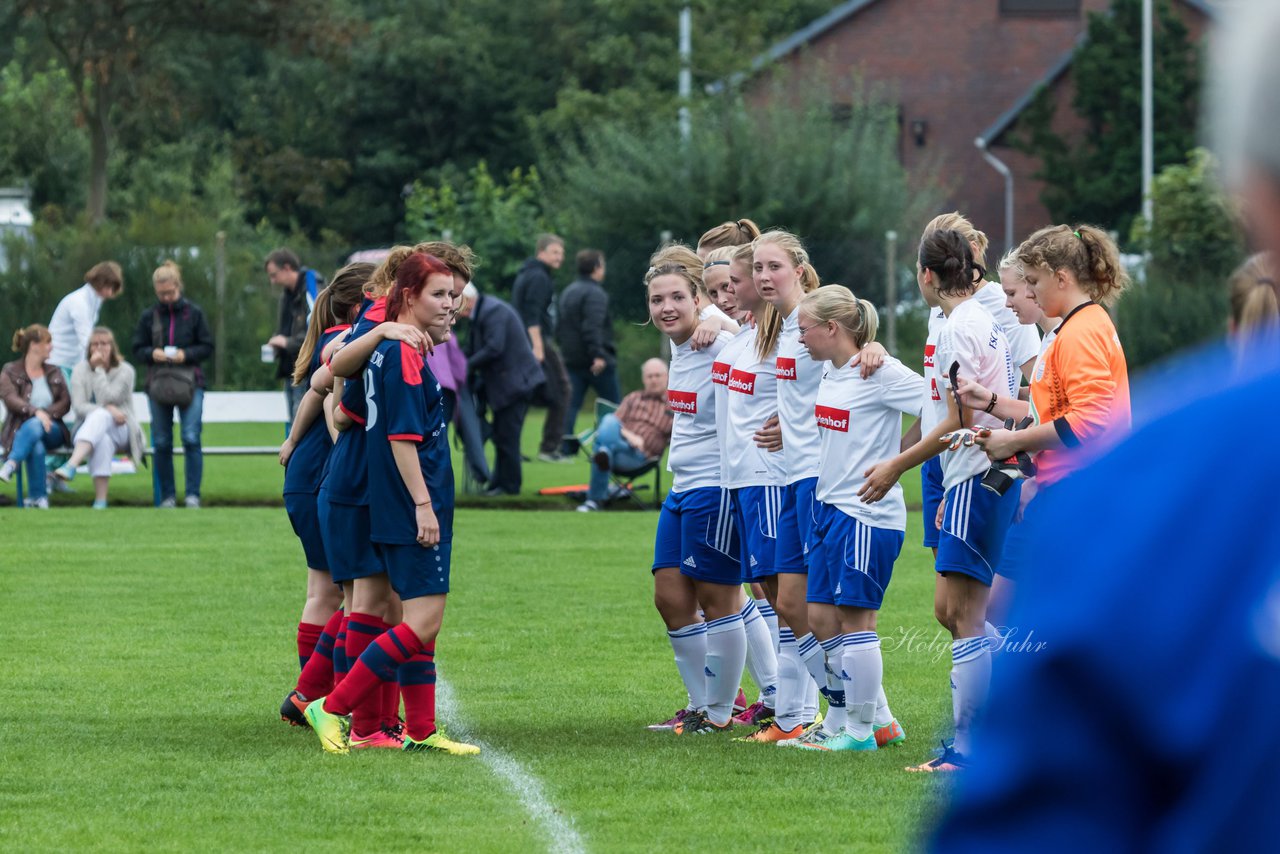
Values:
[(526, 787)]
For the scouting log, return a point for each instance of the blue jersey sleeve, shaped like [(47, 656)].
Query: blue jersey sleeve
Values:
[(405, 406)]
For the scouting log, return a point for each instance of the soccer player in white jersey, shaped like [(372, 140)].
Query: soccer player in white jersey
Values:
[(855, 543), (752, 475), (695, 560), (783, 275), (1024, 343)]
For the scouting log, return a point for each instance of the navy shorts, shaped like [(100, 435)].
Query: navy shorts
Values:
[(851, 563), (697, 534), (305, 519), (345, 528), (974, 527), (756, 510), (416, 570), (931, 495), (795, 526), (1019, 546)]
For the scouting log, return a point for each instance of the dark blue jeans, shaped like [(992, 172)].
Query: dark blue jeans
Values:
[(162, 440), (29, 444), (622, 457), (605, 385)]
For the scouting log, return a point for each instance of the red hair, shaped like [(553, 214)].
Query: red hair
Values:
[(411, 278)]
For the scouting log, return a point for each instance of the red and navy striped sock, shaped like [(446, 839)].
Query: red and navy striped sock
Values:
[(376, 664), (308, 637), (362, 630), (418, 686), (340, 663), (317, 675)]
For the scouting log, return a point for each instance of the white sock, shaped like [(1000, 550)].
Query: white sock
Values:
[(762, 657), (833, 673), (770, 619), (690, 645), (811, 655), (865, 669), (791, 681), (726, 655), (884, 717), (971, 680)]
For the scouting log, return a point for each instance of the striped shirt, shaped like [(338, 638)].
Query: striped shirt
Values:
[(648, 416)]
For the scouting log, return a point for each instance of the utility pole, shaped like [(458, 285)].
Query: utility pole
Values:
[(220, 296), (686, 74), (1148, 110), (891, 290)]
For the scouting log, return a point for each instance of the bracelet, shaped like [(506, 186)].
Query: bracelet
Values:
[(426, 503), (992, 404)]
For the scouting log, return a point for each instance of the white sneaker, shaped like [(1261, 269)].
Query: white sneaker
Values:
[(192, 502), (168, 504), (588, 506), (36, 503), (7, 470)]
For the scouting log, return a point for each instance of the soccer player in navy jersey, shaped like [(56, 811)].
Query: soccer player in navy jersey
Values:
[(411, 480), (305, 455)]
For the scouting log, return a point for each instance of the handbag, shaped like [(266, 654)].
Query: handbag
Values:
[(169, 385)]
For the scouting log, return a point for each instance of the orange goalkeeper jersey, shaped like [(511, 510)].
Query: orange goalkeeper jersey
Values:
[(1081, 386)]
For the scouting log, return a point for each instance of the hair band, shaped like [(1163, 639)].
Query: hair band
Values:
[(715, 264)]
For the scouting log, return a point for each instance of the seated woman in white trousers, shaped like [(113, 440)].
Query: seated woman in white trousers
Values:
[(102, 400)]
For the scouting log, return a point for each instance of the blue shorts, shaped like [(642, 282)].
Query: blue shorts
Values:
[(931, 495), (795, 526), (850, 563), (305, 519), (974, 527), (345, 528), (697, 534), (416, 570), (756, 510), (1019, 545)]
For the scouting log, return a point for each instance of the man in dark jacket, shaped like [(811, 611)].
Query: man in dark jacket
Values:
[(533, 297), (585, 332), (180, 337), (300, 288), (506, 374)]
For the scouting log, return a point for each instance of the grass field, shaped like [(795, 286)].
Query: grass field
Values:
[(149, 651)]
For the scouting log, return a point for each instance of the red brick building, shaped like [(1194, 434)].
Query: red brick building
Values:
[(962, 72)]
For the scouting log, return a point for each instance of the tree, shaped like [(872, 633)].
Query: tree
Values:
[(112, 50), (1098, 178)]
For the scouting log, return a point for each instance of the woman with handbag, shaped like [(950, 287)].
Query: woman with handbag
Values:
[(102, 400), (173, 339)]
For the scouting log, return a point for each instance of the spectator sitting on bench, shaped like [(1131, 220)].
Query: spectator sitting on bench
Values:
[(36, 398), (102, 398), (638, 432)]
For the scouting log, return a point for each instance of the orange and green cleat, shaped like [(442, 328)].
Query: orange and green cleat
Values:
[(384, 737), (890, 733), (771, 733)]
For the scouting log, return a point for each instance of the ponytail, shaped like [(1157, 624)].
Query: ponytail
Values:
[(332, 307), (857, 317), (1086, 251), (948, 256), (34, 334)]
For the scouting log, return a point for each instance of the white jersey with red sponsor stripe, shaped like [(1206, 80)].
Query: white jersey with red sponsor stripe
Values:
[(720, 370), (972, 338), (860, 422), (798, 380), (694, 458), (752, 399)]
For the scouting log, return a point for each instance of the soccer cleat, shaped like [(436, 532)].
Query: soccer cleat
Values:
[(294, 709), (438, 742), (697, 723), (814, 736), (333, 730), (754, 715), (385, 737), (843, 741), (771, 733), (671, 722), (739, 702), (890, 733), (948, 761)]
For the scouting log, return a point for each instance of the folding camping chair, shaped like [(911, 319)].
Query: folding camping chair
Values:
[(623, 480)]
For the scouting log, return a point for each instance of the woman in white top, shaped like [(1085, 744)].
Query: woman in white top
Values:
[(855, 543), (695, 560), (102, 399)]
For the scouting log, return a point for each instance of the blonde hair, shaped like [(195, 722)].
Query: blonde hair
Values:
[(1011, 263), (103, 332), (768, 329), (736, 233), (716, 257), (1254, 303), (23, 338), (169, 271), (678, 260), (1086, 251), (956, 221), (459, 259), (837, 303)]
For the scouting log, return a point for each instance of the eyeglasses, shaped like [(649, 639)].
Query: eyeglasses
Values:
[(804, 330)]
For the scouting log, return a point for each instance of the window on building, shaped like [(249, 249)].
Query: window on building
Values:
[(1039, 8)]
